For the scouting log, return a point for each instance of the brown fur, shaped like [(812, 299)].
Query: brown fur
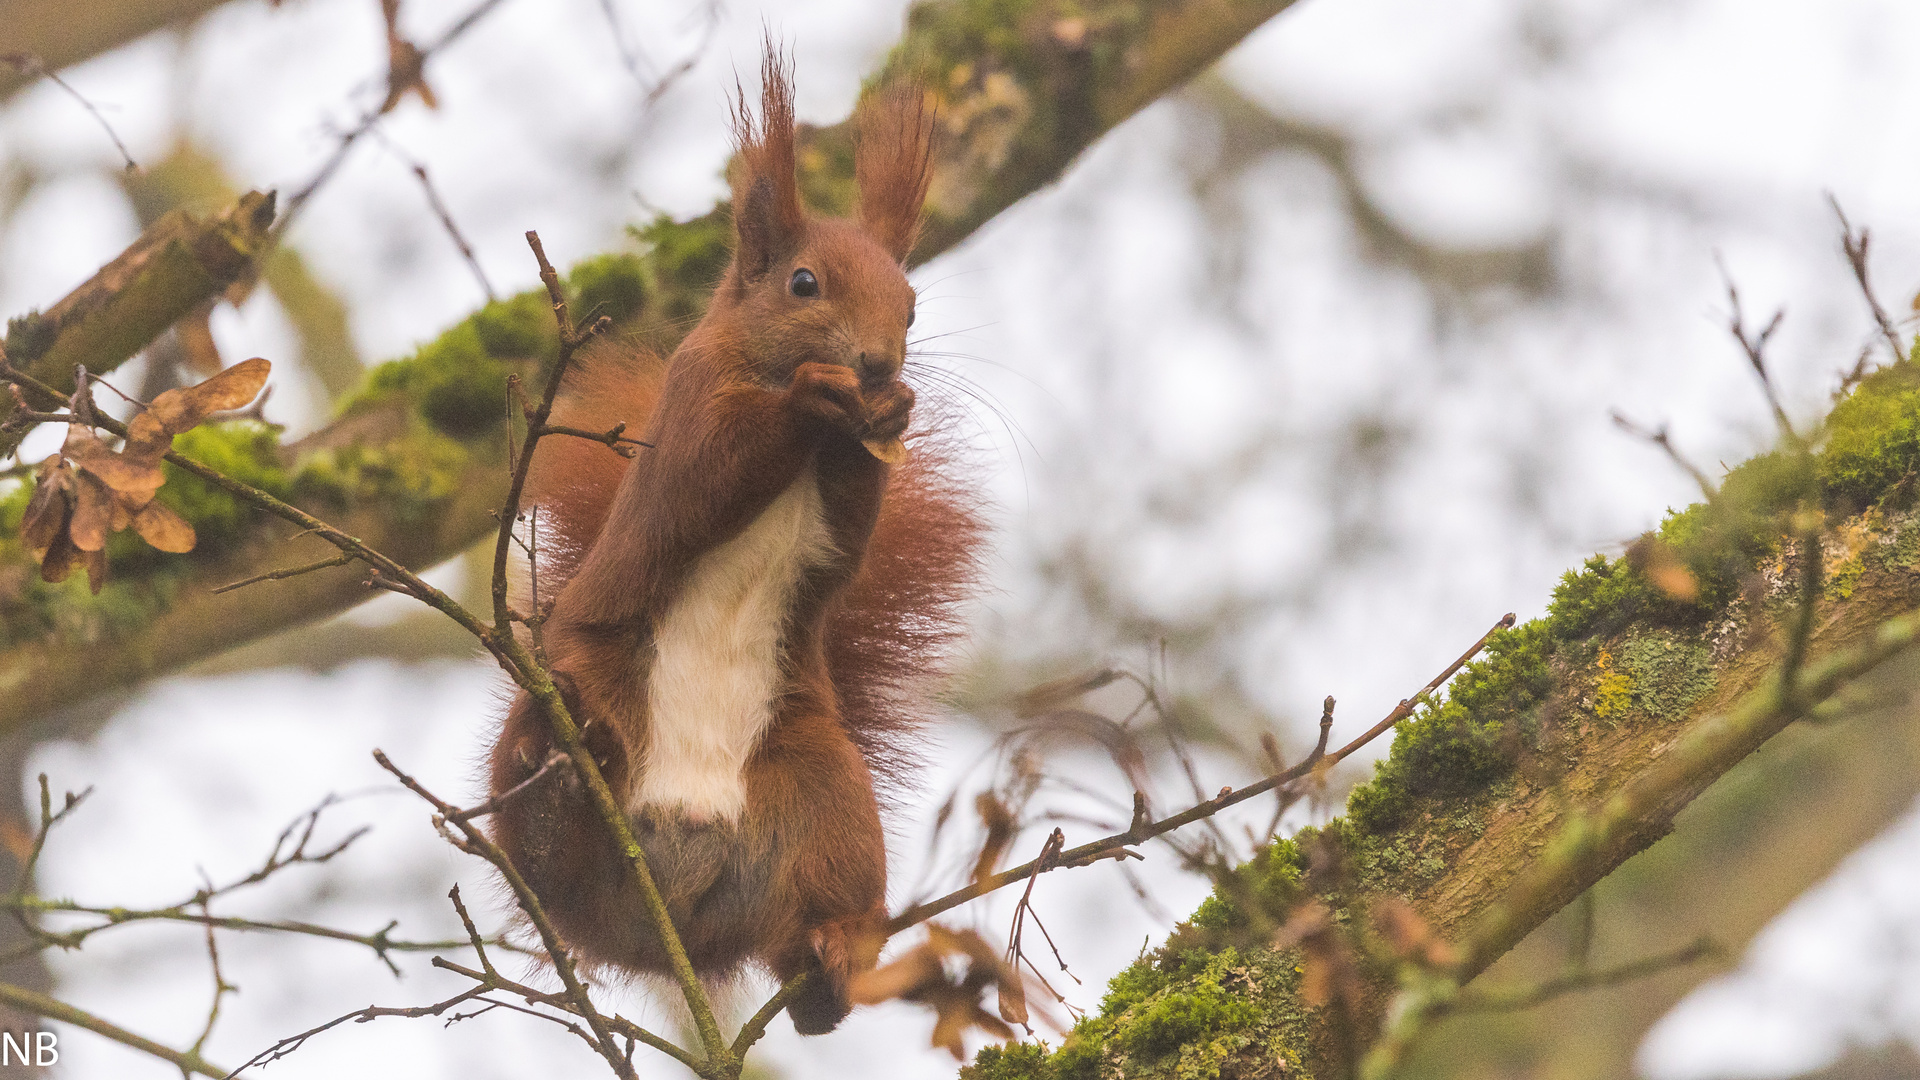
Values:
[(766, 386)]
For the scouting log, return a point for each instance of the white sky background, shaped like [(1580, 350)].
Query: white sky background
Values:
[(1129, 373)]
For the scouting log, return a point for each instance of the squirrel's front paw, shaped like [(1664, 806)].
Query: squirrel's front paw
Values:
[(830, 393), (833, 394), (887, 409)]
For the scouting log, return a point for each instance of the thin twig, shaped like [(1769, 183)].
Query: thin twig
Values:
[(571, 338), (292, 1043), (440, 210), (38, 1004), (1659, 437), (1583, 979), (221, 987), (719, 1056), (1116, 845), (477, 842), (280, 575), (1405, 708), (368, 120), (555, 759), (612, 437), (1755, 348), (31, 65), (1855, 246)]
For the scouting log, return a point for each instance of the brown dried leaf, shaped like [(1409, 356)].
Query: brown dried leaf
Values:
[(164, 529), (1118, 741), (1661, 564), (49, 508), (920, 976), (194, 331), (92, 513), (1013, 1001), (58, 561), (1052, 695), (96, 564), (890, 451), (1000, 826), (914, 969), (1329, 973), (182, 409), (1409, 936), (147, 439), (85, 450), (16, 838)]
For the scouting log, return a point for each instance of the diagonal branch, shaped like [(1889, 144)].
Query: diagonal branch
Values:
[(38, 1004)]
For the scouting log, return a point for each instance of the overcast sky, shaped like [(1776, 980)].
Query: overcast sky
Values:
[(1407, 462)]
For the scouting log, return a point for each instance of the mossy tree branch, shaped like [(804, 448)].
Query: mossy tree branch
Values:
[(1554, 761), (1024, 85), (178, 262)]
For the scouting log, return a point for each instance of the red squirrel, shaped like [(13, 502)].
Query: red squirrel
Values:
[(751, 612)]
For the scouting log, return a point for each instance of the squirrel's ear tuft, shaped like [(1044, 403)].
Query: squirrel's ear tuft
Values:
[(767, 221), (893, 165)]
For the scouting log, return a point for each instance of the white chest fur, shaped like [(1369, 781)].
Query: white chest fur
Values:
[(716, 667)]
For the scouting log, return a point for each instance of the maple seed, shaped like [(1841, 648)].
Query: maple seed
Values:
[(921, 976), (891, 451), (89, 491)]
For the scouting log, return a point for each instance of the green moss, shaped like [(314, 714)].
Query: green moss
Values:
[(612, 285), (686, 257), (1600, 598), (1197, 1010), (1014, 1061), (943, 36), (1872, 441), (826, 172), (244, 450), (1188, 1014), (1718, 543), (1721, 541), (460, 386), (459, 379), (1257, 894), (1845, 577), (1467, 739), (520, 327), (1904, 552), (409, 476)]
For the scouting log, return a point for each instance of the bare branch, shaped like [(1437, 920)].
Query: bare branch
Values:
[(38, 1004), (1855, 245), (1141, 830), (33, 67), (281, 575)]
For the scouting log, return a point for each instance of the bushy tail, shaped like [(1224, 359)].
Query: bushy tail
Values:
[(890, 640)]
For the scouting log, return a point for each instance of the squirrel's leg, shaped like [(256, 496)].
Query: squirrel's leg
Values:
[(812, 787)]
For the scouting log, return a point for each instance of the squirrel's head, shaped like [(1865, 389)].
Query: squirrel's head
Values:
[(826, 290)]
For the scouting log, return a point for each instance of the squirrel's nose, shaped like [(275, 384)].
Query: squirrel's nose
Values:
[(877, 368)]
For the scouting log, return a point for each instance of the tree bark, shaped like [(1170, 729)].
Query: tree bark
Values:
[(60, 33)]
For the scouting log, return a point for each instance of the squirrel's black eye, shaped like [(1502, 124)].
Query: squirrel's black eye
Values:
[(911, 312), (804, 283)]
